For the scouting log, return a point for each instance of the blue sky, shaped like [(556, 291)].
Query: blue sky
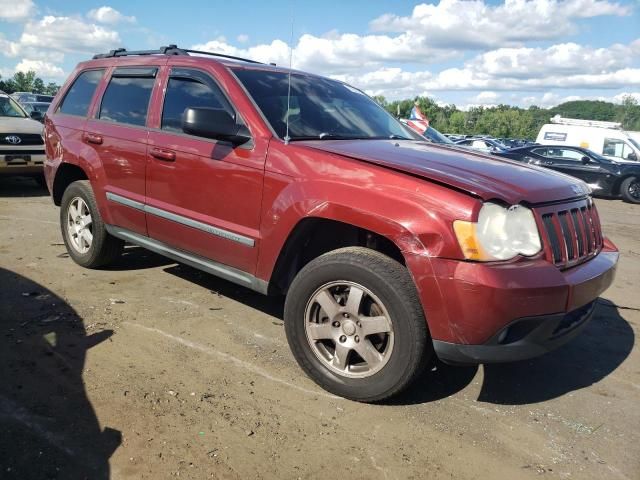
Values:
[(465, 52)]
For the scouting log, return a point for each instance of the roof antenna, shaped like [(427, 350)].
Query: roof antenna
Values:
[(286, 136)]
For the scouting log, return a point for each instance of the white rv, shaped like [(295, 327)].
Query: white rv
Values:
[(606, 138)]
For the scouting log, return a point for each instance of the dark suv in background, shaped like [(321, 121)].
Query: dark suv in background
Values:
[(389, 249)]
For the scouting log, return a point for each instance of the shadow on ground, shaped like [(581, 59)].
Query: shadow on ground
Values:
[(48, 426), (599, 349), (21, 187), (590, 357), (137, 258), (595, 353)]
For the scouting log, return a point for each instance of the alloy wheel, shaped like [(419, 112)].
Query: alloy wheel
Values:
[(349, 329)]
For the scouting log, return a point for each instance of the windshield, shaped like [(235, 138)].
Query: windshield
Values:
[(9, 108), (634, 143), (319, 108), (435, 136)]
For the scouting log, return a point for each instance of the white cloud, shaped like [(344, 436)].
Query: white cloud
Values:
[(242, 38), (562, 66), (552, 99), (486, 98), (42, 69), (67, 34), (337, 53), (564, 58), (15, 11), (109, 15), (476, 24), (621, 96)]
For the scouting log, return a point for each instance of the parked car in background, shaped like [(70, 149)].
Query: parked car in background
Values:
[(389, 251), (22, 97), (21, 141), (36, 110), (606, 177), (604, 138), (483, 144)]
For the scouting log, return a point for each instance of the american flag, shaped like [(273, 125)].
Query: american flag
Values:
[(417, 120)]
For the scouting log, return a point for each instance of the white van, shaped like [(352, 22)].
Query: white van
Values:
[(606, 138)]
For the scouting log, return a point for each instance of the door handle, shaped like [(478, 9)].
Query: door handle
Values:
[(166, 155), (93, 138)]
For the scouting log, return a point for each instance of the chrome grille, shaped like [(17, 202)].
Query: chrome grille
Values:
[(25, 139), (571, 233)]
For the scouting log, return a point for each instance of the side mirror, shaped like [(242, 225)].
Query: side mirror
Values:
[(632, 156), (214, 123), (586, 160), (36, 115)]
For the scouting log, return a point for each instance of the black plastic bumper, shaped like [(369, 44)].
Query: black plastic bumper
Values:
[(521, 339)]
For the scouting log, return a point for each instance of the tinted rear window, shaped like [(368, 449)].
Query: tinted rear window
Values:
[(78, 98), (126, 99)]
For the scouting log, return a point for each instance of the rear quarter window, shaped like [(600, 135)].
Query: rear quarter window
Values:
[(78, 98)]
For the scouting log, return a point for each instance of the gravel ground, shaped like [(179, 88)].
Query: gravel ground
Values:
[(153, 370)]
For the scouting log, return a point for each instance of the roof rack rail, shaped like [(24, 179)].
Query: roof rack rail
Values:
[(167, 50), (559, 120)]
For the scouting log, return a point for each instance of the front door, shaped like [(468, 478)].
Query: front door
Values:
[(203, 196)]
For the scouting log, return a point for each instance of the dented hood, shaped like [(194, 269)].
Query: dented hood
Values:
[(485, 176)]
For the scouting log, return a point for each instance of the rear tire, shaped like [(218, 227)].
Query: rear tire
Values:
[(88, 242), (335, 314), (630, 189)]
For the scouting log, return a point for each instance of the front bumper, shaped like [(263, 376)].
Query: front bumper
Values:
[(22, 162), (481, 312), (521, 339)]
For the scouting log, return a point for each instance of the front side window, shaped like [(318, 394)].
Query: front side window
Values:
[(78, 98), (9, 108), (614, 147), (126, 99), (319, 108), (189, 89), (564, 154)]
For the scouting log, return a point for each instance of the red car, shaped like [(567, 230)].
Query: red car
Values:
[(390, 250)]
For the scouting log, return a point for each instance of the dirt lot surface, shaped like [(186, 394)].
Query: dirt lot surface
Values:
[(154, 370)]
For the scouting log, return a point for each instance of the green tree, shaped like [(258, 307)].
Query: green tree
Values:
[(51, 88), (23, 81), (629, 113), (38, 86)]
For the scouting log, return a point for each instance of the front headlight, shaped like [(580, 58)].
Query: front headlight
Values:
[(499, 234)]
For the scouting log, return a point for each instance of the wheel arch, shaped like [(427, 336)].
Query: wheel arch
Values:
[(315, 235), (66, 174)]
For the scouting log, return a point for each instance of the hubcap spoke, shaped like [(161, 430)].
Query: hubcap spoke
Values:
[(368, 353), (86, 220), (340, 356), (371, 325), (328, 303), (354, 299), (320, 331), (87, 236)]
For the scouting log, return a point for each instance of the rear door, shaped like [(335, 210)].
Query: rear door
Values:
[(119, 135), (203, 196), (570, 161)]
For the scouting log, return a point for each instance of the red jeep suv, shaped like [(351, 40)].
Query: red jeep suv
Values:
[(389, 249)]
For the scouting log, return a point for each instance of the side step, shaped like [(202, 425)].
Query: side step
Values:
[(214, 268)]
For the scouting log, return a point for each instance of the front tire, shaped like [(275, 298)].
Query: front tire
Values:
[(630, 189), (88, 242), (356, 326)]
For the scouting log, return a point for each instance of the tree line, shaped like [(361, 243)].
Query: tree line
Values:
[(505, 121), (28, 82)]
